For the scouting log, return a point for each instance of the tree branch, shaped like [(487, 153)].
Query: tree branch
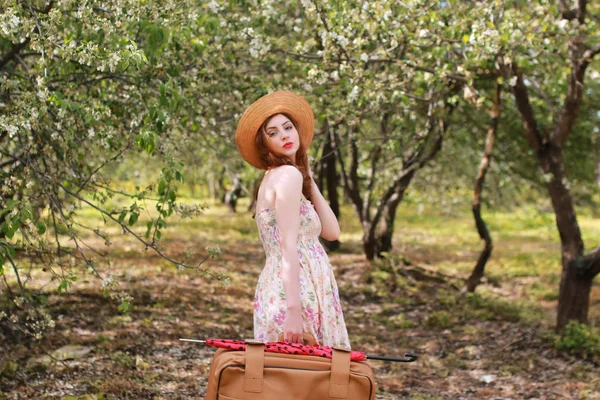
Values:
[(374, 156), (544, 95), (153, 246), (574, 93), (16, 274), (336, 148), (566, 12), (590, 54), (581, 10), (102, 164), (9, 162), (590, 265), (13, 52), (416, 162), (523, 104)]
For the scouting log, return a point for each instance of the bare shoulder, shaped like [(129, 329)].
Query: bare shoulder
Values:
[(287, 173), (286, 181)]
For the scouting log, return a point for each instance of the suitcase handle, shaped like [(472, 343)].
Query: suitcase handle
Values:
[(307, 338), (255, 363)]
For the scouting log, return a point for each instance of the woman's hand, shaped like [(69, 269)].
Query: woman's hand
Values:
[(292, 326)]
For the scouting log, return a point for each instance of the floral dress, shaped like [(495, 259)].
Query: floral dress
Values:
[(321, 310)]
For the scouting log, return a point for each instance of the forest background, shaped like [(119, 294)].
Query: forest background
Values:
[(458, 142)]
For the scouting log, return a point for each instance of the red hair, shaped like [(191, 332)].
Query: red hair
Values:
[(270, 160)]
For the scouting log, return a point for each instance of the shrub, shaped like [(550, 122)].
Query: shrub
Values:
[(580, 339), (439, 319)]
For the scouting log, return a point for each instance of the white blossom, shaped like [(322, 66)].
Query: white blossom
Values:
[(562, 23), (341, 39), (323, 38), (354, 93), (10, 22), (12, 130), (108, 282), (113, 61)]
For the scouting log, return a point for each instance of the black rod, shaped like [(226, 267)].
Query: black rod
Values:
[(408, 357)]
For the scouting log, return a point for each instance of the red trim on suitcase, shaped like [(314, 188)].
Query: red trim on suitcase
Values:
[(285, 348)]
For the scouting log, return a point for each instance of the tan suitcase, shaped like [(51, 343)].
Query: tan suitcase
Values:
[(254, 374)]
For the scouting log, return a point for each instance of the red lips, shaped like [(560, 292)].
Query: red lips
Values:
[(288, 145)]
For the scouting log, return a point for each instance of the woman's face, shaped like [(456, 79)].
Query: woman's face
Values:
[(282, 137)]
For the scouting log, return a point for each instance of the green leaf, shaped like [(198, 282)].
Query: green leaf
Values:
[(27, 212), (133, 217), (162, 186), (10, 204), (179, 176), (6, 229), (11, 251), (122, 215), (158, 235), (41, 227), (43, 300), (148, 229), (163, 96), (64, 286), (125, 306)]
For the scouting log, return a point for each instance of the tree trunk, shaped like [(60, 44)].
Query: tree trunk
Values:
[(573, 297), (254, 191), (574, 294), (475, 278), (386, 231), (233, 194), (370, 244), (598, 175), (221, 189), (216, 186), (424, 150), (190, 180), (578, 270), (332, 180)]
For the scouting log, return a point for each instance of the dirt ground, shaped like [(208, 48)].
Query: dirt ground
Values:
[(466, 351)]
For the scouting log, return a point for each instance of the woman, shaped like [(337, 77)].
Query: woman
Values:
[(296, 292)]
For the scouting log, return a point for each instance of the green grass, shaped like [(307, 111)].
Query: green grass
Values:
[(526, 245)]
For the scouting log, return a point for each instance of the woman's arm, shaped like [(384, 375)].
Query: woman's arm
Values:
[(288, 191), (330, 227)]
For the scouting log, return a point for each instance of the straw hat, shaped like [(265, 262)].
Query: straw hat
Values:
[(271, 104)]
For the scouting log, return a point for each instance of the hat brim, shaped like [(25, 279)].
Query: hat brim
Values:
[(282, 102)]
